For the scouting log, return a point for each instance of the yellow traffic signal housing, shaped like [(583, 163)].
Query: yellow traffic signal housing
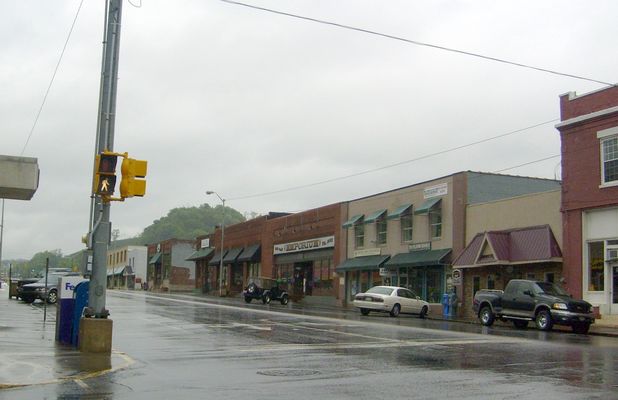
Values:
[(129, 185), (105, 174)]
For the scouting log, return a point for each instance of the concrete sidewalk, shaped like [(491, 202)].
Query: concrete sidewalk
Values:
[(30, 355)]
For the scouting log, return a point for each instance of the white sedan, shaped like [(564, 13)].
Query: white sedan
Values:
[(391, 299)]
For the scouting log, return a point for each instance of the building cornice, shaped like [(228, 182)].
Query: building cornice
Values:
[(583, 118)]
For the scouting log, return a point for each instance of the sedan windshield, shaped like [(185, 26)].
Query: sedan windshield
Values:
[(380, 290), (53, 279), (551, 289)]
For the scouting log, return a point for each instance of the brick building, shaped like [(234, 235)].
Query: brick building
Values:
[(589, 137), (168, 268)]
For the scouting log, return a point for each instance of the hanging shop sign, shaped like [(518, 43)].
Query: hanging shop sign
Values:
[(456, 277), (435, 191), (205, 243), (305, 245)]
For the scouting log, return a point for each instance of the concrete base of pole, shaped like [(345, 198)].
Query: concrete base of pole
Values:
[(95, 335)]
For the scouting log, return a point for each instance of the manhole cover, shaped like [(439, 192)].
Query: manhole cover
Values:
[(289, 372)]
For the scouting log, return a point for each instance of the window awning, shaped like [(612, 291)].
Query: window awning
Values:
[(200, 254), (367, 262), (373, 217), (231, 255), (156, 259), (353, 221), (250, 253), (399, 211), (115, 271), (216, 259), (428, 205), (419, 258)]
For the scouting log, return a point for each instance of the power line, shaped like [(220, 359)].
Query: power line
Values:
[(36, 120), (415, 42), (340, 178)]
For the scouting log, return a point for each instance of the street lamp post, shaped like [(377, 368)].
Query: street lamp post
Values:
[(209, 192)]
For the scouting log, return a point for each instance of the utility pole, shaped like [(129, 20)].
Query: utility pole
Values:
[(100, 225)]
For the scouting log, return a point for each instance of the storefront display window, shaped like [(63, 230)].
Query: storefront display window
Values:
[(596, 267), (322, 278)]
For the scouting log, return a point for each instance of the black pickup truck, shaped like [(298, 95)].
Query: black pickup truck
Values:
[(543, 302)]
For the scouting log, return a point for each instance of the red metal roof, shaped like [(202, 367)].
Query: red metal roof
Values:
[(530, 244)]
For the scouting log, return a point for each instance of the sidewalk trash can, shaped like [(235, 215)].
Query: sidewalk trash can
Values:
[(445, 305)]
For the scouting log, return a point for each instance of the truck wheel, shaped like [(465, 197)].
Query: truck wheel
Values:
[(395, 311), (581, 327), (284, 299), (486, 316), (543, 320), (247, 299), (52, 297), (520, 324), (266, 299), (364, 311)]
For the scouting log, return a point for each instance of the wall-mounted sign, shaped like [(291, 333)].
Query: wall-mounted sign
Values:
[(435, 191), (419, 246), (384, 272), (457, 277), (304, 245), (158, 247), (205, 243), (368, 252)]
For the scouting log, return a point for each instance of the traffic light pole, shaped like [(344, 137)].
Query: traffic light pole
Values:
[(100, 225)]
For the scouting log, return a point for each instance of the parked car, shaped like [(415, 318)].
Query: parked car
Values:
[(16, 284), (254, 292), (391, 299), (30, 292), (523, 301)]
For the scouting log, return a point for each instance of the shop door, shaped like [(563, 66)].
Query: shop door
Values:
[(614, 293), (303, 279), (158, 277)]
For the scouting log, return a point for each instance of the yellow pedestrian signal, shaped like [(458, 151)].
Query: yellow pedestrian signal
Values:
[(129, 185), (105, 174)]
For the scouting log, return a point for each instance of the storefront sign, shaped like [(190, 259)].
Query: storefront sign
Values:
[(205, 243), (304, 245), (384, 272), (368, 252), (457, 277), (419, 246), (435, 191)]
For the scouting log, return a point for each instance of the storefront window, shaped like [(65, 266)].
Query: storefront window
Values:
[(376, 279), (359, 235), (596, 267), (406, 227), (381, 226), (435, 223), (322, 278)]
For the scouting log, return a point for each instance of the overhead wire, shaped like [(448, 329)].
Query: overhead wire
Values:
[(51, 82), (417, 43), (399, 163)]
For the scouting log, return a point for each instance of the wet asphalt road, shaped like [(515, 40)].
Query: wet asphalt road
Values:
[(181, 347)]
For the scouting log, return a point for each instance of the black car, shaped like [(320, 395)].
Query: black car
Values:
[(30, 292), (16, 284), (254, 292)]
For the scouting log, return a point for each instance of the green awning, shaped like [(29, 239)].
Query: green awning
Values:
[(156, 259), (419, 258), (399, 211), (367, 262), (231, 255), (428, 205), (216, 259), (200, 254), (250, 253), (353, 221), (373, 217)]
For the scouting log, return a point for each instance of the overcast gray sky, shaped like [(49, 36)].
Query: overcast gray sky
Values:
[(226, 98)]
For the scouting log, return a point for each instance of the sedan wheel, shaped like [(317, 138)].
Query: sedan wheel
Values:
[(364, 311), (52, 297), (395, 311), (423, 313)]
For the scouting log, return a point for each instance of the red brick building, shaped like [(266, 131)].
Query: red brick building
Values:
[(589, 136), (168, 268)]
